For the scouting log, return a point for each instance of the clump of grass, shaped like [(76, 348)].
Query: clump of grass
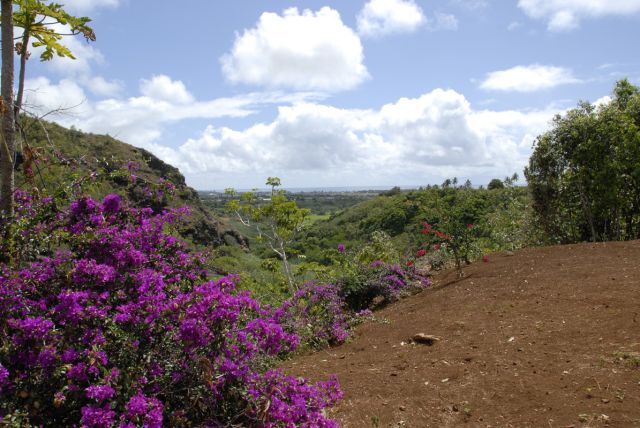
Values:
[(628, 358)]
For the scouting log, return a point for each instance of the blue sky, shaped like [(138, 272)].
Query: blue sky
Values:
[(336, 93)]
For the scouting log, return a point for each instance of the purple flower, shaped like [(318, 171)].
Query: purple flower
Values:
[(111, 204), (97, 417), (126, 313), (341, 248), (4, 376), (100, 392)]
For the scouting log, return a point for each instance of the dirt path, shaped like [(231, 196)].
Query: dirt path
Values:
[(548, 337)]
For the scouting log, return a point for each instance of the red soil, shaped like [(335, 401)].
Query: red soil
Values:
[(548, 337)]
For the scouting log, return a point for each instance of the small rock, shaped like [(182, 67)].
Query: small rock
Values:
[(402, 408), (425, 339), (605, 400), (508, 253)]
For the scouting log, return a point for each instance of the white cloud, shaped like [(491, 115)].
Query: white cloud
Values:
[(102, 87), (304, 51), (162, 88), (602, 101), (528, 78), (140, 120), (565, 15), (382, 17), (435, 135), (43, 97)]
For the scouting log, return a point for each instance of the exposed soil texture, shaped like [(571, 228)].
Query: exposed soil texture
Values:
[(548, 337)]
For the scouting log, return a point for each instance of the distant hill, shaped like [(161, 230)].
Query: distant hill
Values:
[(401, 214), (65, 154)]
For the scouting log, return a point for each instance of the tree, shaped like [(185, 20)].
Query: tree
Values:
[(494, 184), (277, 220), (8, 121), (37, 20), (584, 173)]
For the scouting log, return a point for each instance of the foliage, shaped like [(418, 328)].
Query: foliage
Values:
[(379, 284), (120, 325), (371, 275), (317, 314), (59, 159), (277, 220), (499, 216), (458, 241), (38, 21), (511, 224), (494, 184), (584, 174)]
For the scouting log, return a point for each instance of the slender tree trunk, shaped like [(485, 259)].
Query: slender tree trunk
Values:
[(24, 55), (8, 143), (287, 270), (586, 208)]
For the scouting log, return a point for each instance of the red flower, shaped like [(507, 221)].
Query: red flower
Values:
[(470, 226), (442, 235), (426, 228), (437, 247), (485, 259), (421, 253), (409, 263)]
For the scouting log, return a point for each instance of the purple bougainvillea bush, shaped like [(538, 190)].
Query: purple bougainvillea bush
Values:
[(317, 314), (119, 326)]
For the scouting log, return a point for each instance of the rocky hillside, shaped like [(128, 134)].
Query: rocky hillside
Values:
[(57, 156)]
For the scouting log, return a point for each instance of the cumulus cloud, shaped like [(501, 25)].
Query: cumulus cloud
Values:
[(164, 89), (382, 17), (140, 120), (67, 97), (80, 69), (435, 135), (528, 78), (102, 87), (565, 15), (301, 50)]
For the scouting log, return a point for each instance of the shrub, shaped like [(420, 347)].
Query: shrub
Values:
[(317, 313), (121, 327), (384, 282)]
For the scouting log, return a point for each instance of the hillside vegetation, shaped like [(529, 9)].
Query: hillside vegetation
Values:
[(54, 159)]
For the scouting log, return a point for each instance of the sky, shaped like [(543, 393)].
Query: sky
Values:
[(336, 93)]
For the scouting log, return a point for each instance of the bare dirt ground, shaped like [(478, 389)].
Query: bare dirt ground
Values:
[(548, 337)]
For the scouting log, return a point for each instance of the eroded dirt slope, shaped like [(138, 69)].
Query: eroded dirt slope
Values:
[(548, 337)]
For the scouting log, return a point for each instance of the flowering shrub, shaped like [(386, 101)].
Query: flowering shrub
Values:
[(317, 314), (121, 327), (384, 281), (458, 242)]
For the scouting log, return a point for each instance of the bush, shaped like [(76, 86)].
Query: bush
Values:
[(317, 314), (380, 281), (121, 326)]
